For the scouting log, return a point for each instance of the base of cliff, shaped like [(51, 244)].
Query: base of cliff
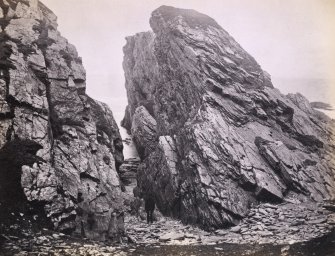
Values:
[(284, 229)]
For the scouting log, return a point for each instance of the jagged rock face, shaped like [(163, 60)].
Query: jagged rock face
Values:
[(68, 144), (225, 138), (128, 172), (143, 131)]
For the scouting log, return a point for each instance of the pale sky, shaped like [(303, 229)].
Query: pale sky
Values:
[(291, 39)]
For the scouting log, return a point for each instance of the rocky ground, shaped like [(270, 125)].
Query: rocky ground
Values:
[(287, 223), (285, 229)]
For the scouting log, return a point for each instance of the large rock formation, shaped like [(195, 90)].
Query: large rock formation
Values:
[(213, 133), (59, 149)]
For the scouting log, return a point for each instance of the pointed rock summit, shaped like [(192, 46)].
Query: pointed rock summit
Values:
[(213, 133)]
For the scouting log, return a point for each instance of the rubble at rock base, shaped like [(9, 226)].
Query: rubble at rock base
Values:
[(284, 225), (287, 223)]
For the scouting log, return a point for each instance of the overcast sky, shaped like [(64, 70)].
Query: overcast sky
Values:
[(291, 39)]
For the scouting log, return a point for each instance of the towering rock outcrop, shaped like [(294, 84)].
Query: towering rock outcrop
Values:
[(59, 149), (213, 133)]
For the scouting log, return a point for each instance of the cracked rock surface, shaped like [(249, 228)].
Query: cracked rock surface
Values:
[(214, 135), (60, 150)]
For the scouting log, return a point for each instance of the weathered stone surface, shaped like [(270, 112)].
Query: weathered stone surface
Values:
[(59, 149), (139, 77), (162, 164), (128, 172), (143, 130), (227, 137)]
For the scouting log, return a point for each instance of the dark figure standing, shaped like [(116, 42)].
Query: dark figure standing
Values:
[(149, 208)]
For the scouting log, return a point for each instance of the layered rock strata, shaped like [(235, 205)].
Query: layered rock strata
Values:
[(60, 150), (213, 133), (128, 171)]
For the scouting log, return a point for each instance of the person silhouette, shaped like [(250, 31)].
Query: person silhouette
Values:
[(149, 208)]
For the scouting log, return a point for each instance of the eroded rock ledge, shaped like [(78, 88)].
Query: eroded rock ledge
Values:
[(213, 133), (60, 150)]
